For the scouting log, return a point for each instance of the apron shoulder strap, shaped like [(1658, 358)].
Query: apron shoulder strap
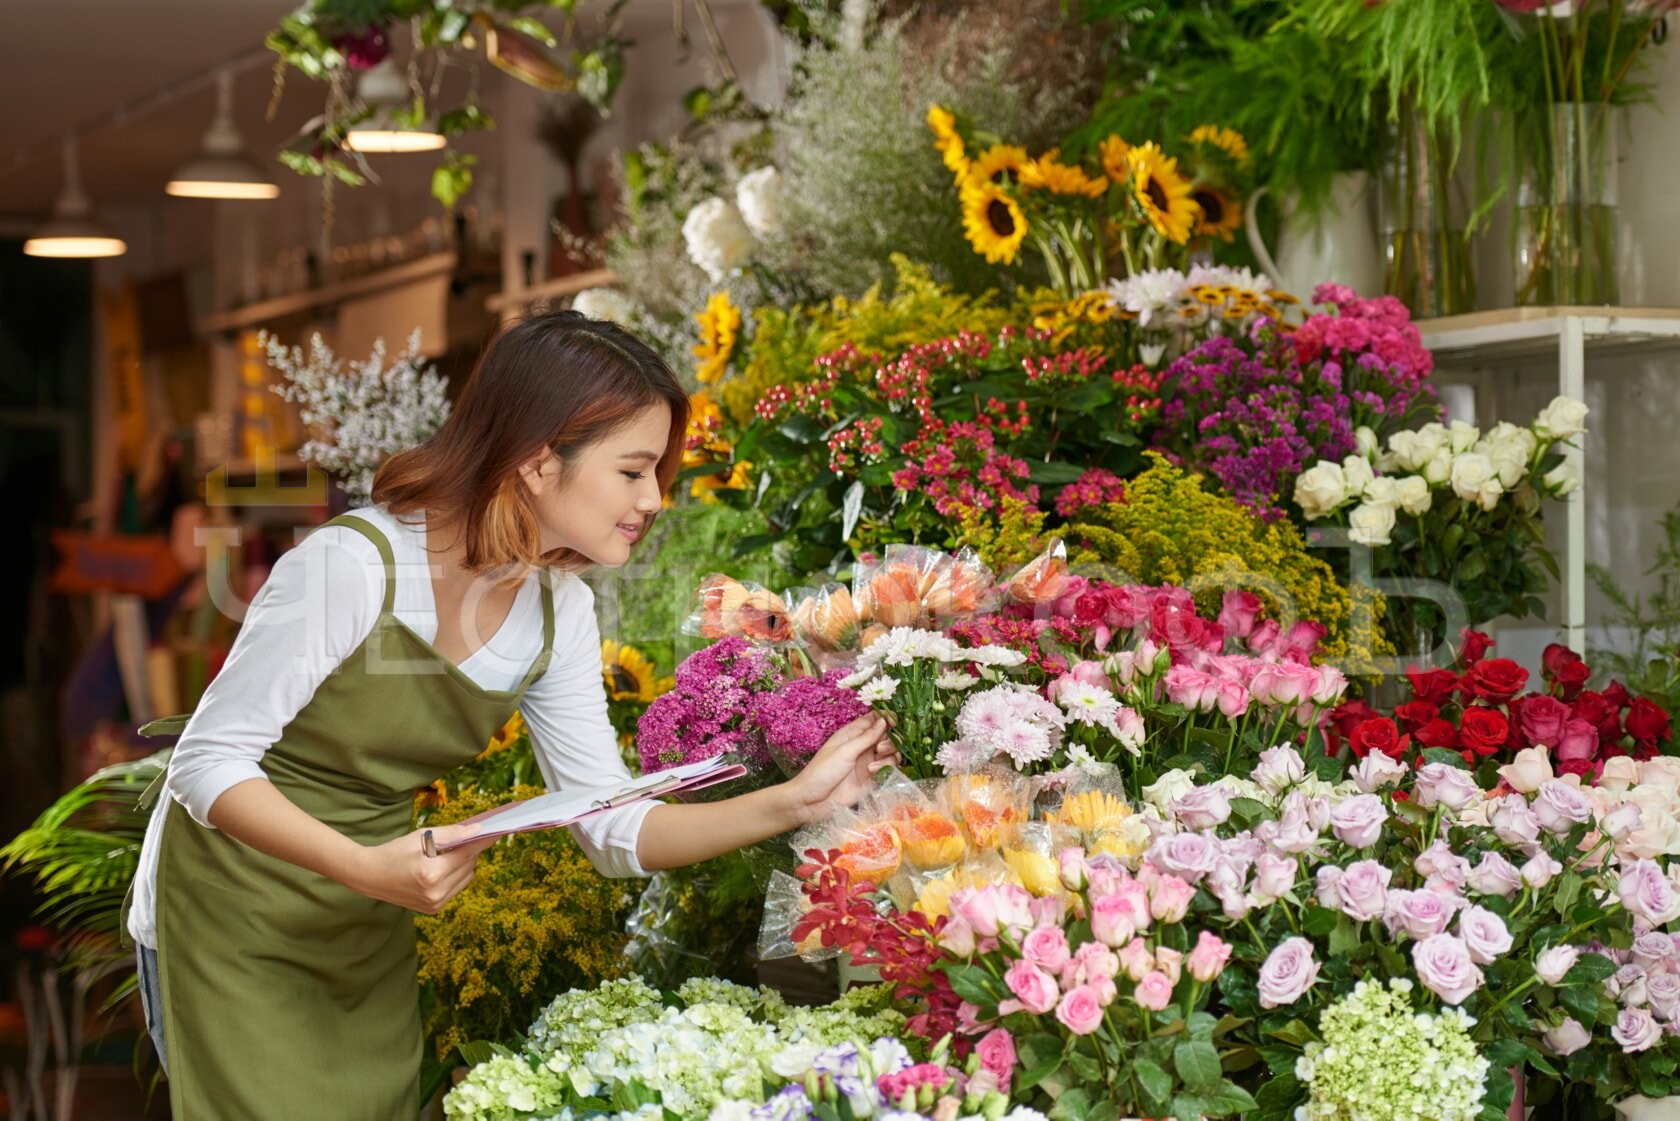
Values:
[(369, 531)]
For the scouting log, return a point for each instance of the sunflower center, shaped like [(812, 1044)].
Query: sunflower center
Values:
[(1213, 207), (623, 681), (1157, 194), (1002, 222)]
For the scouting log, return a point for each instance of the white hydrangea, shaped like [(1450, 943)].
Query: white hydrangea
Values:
[(718, 238), (1381, 1061), (604, 303), (759, 195), (366, 411)]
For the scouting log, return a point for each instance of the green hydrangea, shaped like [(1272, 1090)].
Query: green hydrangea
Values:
[(506, 1088), (1382, 1061), (575, 1020)]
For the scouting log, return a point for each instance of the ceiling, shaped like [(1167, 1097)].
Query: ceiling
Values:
[(65, 64)]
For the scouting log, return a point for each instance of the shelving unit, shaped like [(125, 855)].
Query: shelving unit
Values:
[(509, 304), (1570, 335), (265, 311)]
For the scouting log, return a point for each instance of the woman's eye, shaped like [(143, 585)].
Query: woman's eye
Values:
[(633, 476)]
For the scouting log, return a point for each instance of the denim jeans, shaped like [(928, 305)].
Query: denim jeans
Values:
[(151, 999)]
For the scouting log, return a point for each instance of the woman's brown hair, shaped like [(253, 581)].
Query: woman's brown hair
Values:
[(558, 380)]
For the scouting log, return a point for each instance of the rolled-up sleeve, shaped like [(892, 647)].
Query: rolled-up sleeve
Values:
[(577, 748), (318, 605)]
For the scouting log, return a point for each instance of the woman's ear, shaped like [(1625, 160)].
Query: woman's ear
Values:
[(540, 471)]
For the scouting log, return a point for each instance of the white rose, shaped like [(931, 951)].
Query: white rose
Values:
[(1438, 468), (1383, 491), (1321, 489), (1474, 480), (718, 240), (1461, 437), (759, 195), (1371, 524), (1562, 480), (1412, 495), (1507, 433), (603, 303), (1510, 464), (1367, 441), (1411, 450), (1168, 789), (1356, 472), (1563, 418)]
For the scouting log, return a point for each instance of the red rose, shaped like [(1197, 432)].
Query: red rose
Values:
[(1351, 714), (1496, 680), (1378, 734), (1647, 723), (1601, 714), (1435, 686), (1473, 646), (1484, 730), (1565, 670), (1415, 714), (1616, 693), (1580, 741), (1437, 733), (1582, 767), (1541, 719)]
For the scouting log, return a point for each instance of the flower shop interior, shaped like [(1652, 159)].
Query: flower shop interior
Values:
[(1232, 445)]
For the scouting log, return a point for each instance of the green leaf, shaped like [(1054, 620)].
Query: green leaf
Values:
[(1294, 1032), (1074, 1105), (1248, 810), (1054, 472), (1445, 755), (1197, 1064), (1320, 921), (1346, 938), (532, 27), (1581, 1002), (1156, 1082), (1589, 969), (1084, 1066), (1568, 891), (975, 985), (1227, 1098)]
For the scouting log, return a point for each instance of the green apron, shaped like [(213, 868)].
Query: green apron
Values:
[(285, 994)]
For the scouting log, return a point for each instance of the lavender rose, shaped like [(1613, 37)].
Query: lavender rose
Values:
[(1362, 891), (1648, 894), (1560, 807), (1567, 1038), (1203, 808), (1440, 784), (1421, 914), (1288, 973), (1495, 876), (1485, 935), (1555, 962), (1358, 821), (1636, 1030), (1189, 856), (1443, 965)]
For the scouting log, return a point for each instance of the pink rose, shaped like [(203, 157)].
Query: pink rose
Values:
[(1070, 865), (1207, 960), (1047, 948), (1080, 1012), (1555, 962), (1376, 771), (1191, 688), (1440, 784), (1332, 683), (994, 908), (957, 936), (1648, 894), (1514, 823), (1420, 914), (1232, 698), (1444, 966), (1114, 917), (996, 1051), (1579, 743), (1154, 992), (1238, 612), (1169, 898), (1559, 807), (1274, 876), (1539, 870), (1358, 821), (1567, 1038), (1362, 890), (1541, 720), (1279, 767), (1288, 972), (1485, 935), (1203, 808), (1495, 875), (1096, 960), (1136, 959), (1636, 1030), (1035, 990)]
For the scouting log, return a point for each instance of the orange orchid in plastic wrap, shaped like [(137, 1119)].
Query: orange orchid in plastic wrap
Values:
[(826, 619), (1042, 579), (727, 607), (962, 586), (890, 592), (870, 851), (990, 804)]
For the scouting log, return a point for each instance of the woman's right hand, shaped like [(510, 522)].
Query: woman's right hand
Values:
[(400, 872)]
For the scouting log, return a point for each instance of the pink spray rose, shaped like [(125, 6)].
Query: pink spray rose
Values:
[(1136, 959), (1154, 992), (996, 1050), (1207, 960), (1169, 899), (1080, 1011), (1046, 947), (1035, 990)]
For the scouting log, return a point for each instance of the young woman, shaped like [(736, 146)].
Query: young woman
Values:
[(272, 905)]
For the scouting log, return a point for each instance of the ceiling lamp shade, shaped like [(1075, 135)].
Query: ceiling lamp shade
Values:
[(73, 230), (384, 90), (221, 170)]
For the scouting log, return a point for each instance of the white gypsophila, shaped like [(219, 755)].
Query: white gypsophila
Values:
[(718, 239), (1147, 294), (878, 689), (1087, 704), (364, 412), (759, 195), (604, 303)]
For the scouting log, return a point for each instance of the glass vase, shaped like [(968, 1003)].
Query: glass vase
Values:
[(1423, 216), (1566, 209)]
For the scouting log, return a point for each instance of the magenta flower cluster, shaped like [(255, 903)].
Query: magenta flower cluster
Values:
[(708, 713), (797, 719), (1385, 366), (1097, 487)]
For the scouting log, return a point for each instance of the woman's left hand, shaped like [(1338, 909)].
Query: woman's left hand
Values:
[(843, 771)]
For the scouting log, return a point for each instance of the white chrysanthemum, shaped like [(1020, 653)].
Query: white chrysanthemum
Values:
[(759, 195), (1087, 704), (1147, 294), (956, 681), (991, 657), (878, 689), (903, 645), (718, 239), (604, 303)]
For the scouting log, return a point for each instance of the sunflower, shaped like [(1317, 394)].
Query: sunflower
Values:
[(629, 675), (1049, 173), (993, 222), (947, 140), (705, 487), (1162, 192), (1113, 150), (1221, 216), (719, 325), (1228, 139), (506, 736), (1000, 164)]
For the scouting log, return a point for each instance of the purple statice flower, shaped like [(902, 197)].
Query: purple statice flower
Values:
[(706, 714), (797, 719)]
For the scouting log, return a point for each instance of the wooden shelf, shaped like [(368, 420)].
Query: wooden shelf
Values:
[(266, 311), (559, 287), (1508, 333)]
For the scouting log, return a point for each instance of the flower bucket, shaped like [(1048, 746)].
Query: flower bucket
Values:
[(1648, 1109)]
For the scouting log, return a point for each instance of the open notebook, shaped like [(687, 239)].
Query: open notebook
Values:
[(563, 807)]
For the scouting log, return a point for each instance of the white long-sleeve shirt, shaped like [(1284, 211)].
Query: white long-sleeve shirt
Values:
[(318, 605)]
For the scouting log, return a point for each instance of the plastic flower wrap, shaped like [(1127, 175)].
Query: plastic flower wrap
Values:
[(890, 592), (726, 607), (1042, 579), (826, 621), (990, 803)]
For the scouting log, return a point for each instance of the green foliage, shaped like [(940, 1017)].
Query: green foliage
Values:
[(1650, 667)]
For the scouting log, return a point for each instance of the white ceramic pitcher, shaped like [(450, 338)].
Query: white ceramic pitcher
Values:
[(1339, 245)]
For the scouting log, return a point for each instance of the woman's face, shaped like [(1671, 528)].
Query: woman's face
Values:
[(599, 504)]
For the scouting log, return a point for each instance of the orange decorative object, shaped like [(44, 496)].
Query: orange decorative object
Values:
[(930, 839), (142, 566), (871, 852), (1043, 578), (728, 607)]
